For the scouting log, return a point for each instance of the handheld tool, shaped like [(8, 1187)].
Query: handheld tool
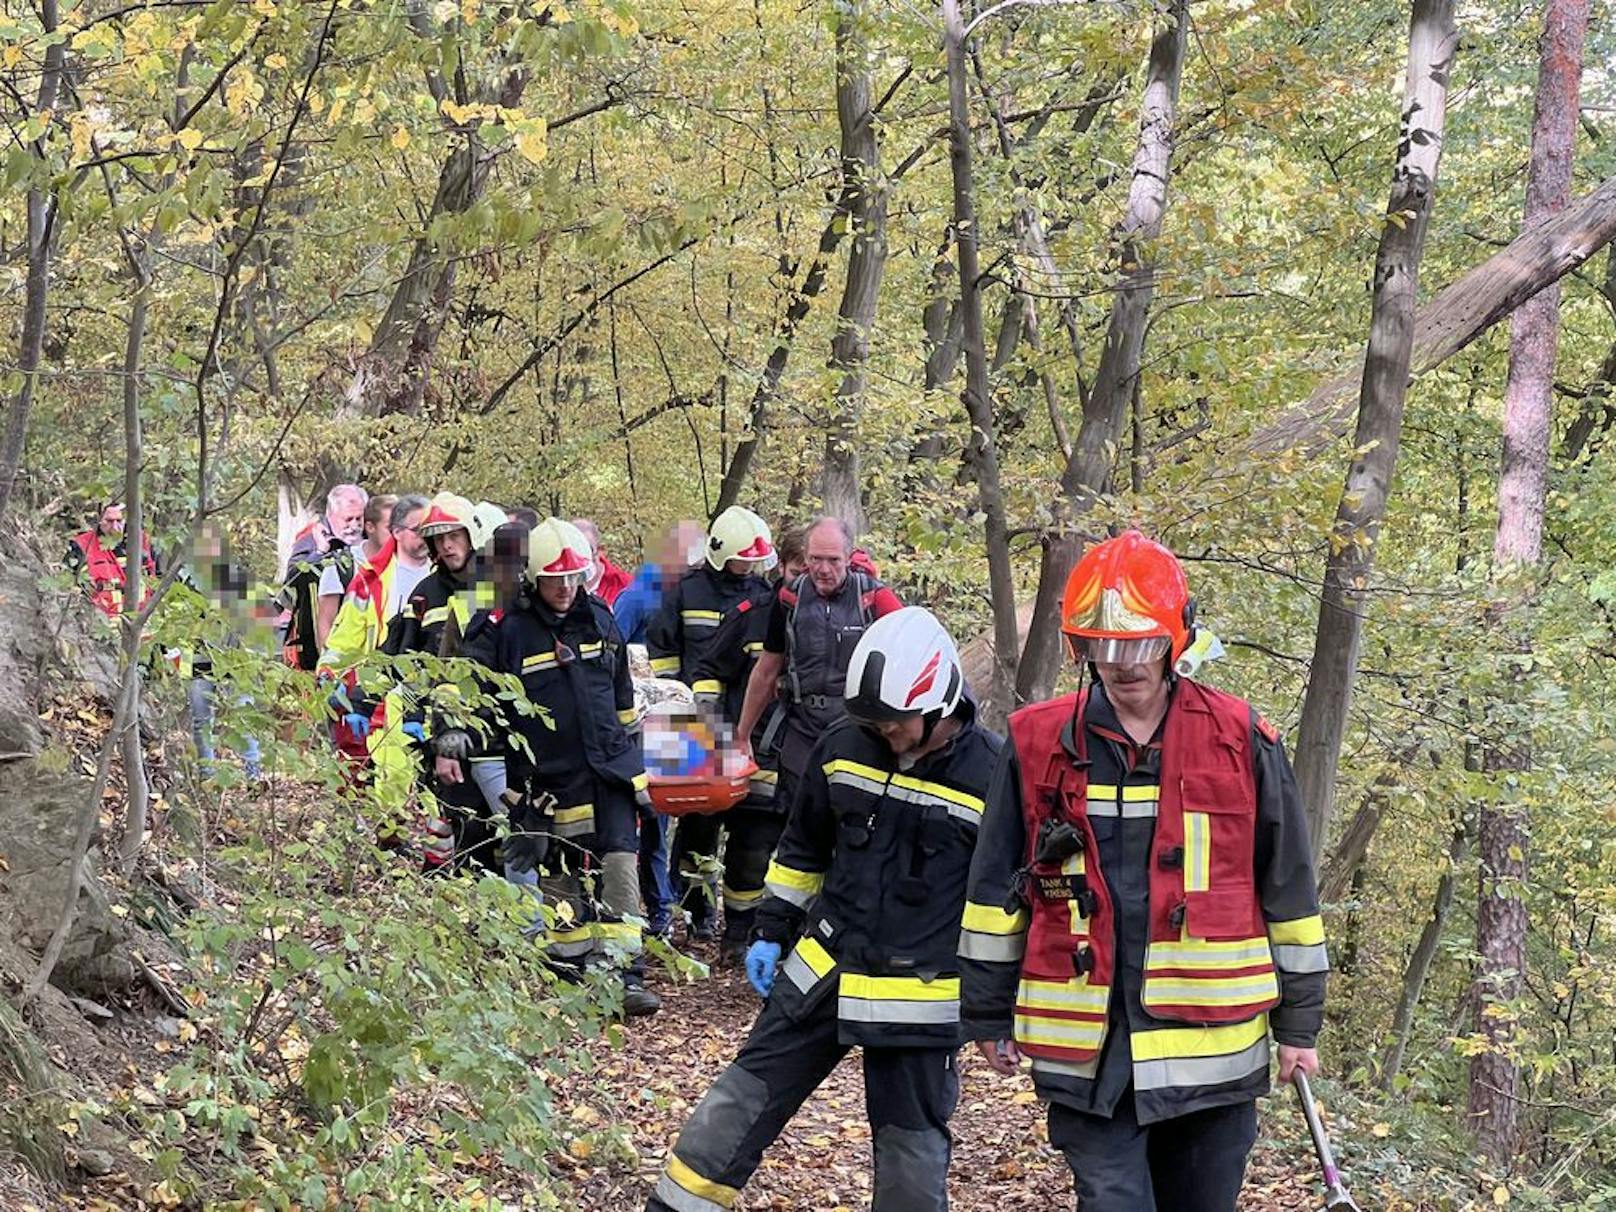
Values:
[(1336, 1198)]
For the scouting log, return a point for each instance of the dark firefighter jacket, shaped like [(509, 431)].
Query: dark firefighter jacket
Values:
[(574, 669), (678, 634), (1179, 1058), (871, 869)]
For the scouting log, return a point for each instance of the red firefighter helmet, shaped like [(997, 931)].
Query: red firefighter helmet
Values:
[(1127, 602)]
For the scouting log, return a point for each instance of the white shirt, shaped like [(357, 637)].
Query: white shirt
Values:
[(405, 578)]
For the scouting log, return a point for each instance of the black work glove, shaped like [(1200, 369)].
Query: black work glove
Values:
[(531, 819)]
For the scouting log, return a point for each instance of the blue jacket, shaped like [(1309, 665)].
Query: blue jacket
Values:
[(638, 604)]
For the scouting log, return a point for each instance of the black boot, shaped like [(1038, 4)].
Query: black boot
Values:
[(638, 1001)]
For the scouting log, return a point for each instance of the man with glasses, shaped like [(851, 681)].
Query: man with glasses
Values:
[(814, 625), (1142, 913)]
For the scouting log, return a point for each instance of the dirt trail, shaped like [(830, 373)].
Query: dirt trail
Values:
[(1002, 1162)]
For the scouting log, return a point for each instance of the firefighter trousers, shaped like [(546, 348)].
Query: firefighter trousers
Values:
[(1190, 1163), (751, 834), (909, 1095)]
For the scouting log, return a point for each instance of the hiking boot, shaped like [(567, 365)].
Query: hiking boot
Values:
[(704, 931), (732, 952), (638, 1001)]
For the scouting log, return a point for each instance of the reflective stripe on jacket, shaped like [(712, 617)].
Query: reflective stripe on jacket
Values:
[(872, 867)]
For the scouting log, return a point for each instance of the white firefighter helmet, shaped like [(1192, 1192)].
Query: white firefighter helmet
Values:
[(557, 548), (905, 664), (739, 534), (446, 512)]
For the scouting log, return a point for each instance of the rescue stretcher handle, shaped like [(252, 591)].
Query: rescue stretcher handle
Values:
[(1315, 1125)]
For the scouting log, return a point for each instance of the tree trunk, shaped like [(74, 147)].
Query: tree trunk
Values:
[(392, 375), (41, 211), (866, 196), (134, 761), (982, 450), (1432, 42), (1106, 410), (1463, 311), (1419, 963), (1501, 919)]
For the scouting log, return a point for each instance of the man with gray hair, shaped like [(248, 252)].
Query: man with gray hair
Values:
[(814, 625), (315, 547)]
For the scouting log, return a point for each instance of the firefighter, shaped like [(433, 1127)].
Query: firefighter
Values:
[(814, 625), (739, 549), (578, 774), (1142, 912), (752, 828), (870, 869), (434, 621)]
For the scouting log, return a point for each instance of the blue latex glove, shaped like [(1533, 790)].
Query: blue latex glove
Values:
[(416, 730), (761, 960), (358, 722)]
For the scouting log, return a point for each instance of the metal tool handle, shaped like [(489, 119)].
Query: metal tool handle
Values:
[(1315, 1125)]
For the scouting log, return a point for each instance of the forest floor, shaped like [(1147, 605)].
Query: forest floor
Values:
[(1002, 1158)]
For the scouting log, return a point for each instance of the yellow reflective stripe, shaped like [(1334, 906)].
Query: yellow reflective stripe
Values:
[(948, 795), (707, 686), (571, 816), (585, 651), (1197, 852), (1141, 794), (623, 932), (1059, 1032), (1062, 995), (699, 616), (990, 919), (627, 716), (1197, 953), (789, 877), (765, 776), (818, 959), (537, 661), (1074, 865), (1197, 1041), (664, 664), (1298, 932), (741, 897), (701, 1188), (898, 988), (857, 769), (640, 781), (438, 614), (753, 648), (1210, 990)]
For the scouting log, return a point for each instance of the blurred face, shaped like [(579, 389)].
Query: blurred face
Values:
[(410, 544), (111, 522), (346, 520), (1134, 688), (827, 559), (793, 568), (453, 550), (559, 593)]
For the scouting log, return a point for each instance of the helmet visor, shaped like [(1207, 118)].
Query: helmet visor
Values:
[(1113, 650), (574, 580)]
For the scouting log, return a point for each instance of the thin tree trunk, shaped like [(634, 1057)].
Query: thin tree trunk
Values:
[(1597, 413), (982, 449), (1362, 507), (134, 760), (866, 195), (41, 218), (1501, 919), (1106, 410), (1419, 963)]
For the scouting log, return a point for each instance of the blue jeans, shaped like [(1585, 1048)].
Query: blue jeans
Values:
[(203, 697), (656, 888)]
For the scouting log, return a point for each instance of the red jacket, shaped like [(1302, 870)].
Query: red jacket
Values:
[(613, 580), (103, 567)]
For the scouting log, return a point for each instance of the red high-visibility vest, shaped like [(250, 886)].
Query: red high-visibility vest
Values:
[(1208, 960), (105, 572)]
